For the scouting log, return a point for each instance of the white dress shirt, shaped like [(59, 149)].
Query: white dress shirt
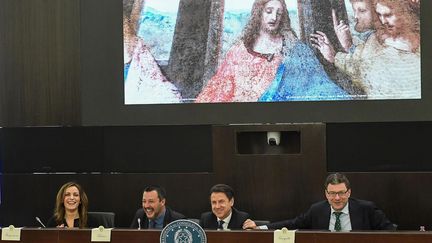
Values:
[(344, 218)]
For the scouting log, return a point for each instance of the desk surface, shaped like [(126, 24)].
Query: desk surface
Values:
[(33, 235)]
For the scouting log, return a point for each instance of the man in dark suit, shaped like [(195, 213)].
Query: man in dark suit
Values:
[(339, 212), (223, 216), (154, 214)]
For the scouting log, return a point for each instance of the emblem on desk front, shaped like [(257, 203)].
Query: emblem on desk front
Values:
[(183, 231)]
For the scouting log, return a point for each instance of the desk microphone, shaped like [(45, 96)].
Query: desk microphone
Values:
[(40, 222), (139, 223)]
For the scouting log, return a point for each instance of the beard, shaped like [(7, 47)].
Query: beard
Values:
[(391, 31), (362, 27), (272, 31)]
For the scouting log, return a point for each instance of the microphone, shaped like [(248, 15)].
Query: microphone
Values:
[(139, 223), (40, 222)]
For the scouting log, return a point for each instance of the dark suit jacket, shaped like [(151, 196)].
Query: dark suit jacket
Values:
[(91, 222), (170, 215), (209, 221), (364, 215)]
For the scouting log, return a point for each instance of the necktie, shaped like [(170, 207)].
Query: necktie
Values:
[(220, 224), (152, 224), (338, 226)]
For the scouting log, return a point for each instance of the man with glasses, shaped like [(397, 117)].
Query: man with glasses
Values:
[(338, 213)]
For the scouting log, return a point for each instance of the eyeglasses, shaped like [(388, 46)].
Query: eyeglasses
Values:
[(340, 194)]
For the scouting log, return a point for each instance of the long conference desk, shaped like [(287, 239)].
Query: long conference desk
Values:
[(35, 235)]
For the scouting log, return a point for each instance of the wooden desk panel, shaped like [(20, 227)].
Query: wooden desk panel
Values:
[(30, 235), (239, 236), (74, 236), (37, 236), (363, 237), (135, 236)]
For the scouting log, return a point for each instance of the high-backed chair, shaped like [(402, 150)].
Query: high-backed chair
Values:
[(259, 222), (105, 219), (194, 220)]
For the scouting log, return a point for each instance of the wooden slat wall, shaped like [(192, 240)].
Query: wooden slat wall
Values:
[(269, 186), (39, 62)]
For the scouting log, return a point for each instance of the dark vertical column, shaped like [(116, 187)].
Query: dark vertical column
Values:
[(214, 41), (267, 183), (316, 15), (340, 8), (188, 53)]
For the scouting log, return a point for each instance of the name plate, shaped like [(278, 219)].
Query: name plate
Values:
[(284, 236), (101, 234), (11, 233)]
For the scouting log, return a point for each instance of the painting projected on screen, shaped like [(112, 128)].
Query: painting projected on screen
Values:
[(184, 51)]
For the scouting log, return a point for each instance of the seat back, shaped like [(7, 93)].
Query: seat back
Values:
[(259, 222), (194, 220), (105, 219)]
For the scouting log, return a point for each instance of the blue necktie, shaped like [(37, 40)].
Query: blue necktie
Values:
[(152, 224)]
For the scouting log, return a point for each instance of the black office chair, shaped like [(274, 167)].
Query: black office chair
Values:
[(194, 220), (261, 222), (105, 219)]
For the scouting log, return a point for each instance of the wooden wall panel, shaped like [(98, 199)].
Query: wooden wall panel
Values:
[(40, 85), (275, 187), (269, 186), (26, 196), (39, 62)]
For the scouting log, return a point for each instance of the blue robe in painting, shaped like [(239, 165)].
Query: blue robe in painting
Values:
[(301, 77)]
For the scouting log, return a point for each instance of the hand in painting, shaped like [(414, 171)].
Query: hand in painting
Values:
[(342, 31), (322, 43)]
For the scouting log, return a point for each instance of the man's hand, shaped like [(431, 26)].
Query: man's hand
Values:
[(342, 31), (322, 43), (249, 224)]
